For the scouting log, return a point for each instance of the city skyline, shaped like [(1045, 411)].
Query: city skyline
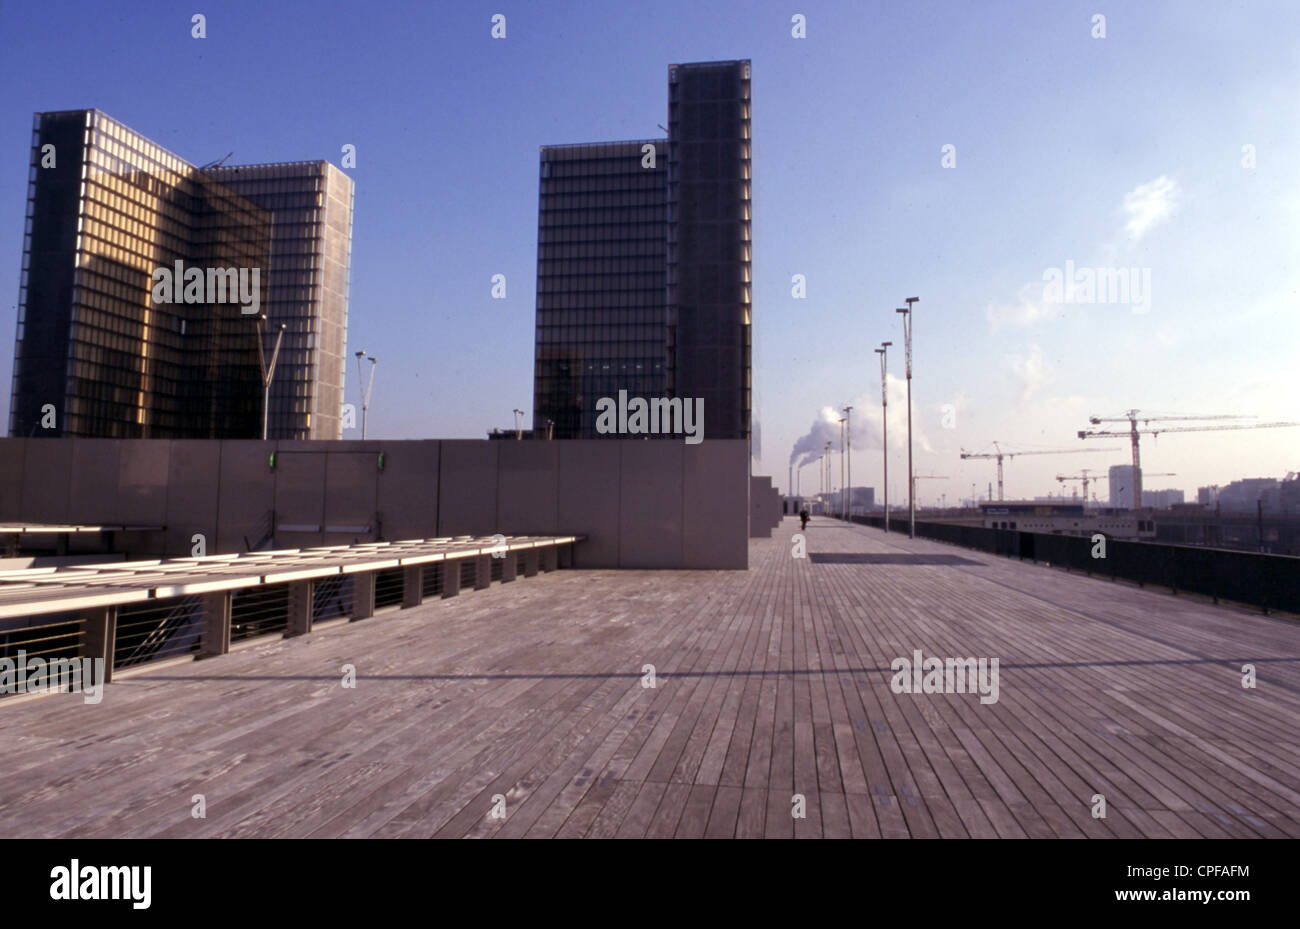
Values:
[(1155, 148)]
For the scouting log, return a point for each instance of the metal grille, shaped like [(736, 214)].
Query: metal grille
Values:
[(332, 598), (498, 569), (432, 586), (58, 635), (521, 561), (388, 587), (259, 611), (157, 629), (468, 573)]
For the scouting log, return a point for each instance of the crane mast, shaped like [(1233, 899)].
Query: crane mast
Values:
[(1135, 433)]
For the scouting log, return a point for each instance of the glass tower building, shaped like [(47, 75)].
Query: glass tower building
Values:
[(601, 273), (96, 355), (643, 266)]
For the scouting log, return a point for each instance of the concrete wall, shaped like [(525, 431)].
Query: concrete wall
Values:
[(642, 504), (764, 507)]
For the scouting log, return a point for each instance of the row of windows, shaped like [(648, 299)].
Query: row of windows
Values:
[(614, 234), (560, 359), (599, 283), (629, 164), (599, 335), (595, 216), (146, 217), (305, 175), (105, 127), (163, 215), (646, 181), (109, 172), (627, 264), (131, 159), (604, 200), (601, 316), (598, 370), (655, 249), (629, 299)]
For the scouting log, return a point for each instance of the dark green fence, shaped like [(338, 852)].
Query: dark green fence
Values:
[(1271, 582)]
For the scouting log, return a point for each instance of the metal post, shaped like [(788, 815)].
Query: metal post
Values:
[(841, 467), (848, 430), (883, 352), (911, 483), (268, 371)]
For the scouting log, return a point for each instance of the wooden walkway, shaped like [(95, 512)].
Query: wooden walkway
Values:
[(769, 683)]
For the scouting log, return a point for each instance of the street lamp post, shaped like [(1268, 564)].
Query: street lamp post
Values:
[(841, 467), (370, 386), (911, 481), (268, 371), (830, 484), (883, 351), (848, 430)]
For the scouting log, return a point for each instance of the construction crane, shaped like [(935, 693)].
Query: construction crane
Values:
[(218, 163), (1087, 478), (999, 455), (926, 477), (1131, 417)]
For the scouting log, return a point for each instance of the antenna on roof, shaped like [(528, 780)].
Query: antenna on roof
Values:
[(218, 163)]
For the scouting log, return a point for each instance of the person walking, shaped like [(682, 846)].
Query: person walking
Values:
[(803, 519)]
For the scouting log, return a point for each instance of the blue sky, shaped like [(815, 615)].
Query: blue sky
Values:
[(1122, 152)]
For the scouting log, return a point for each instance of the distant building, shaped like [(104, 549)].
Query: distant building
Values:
[(1207, 496), (862, 498), (1063, 518), (1161, 499), (1244, 495), (1121, 486), (1289, 495)]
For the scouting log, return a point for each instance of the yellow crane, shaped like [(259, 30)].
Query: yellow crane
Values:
[(998, 455), (1134, 432)]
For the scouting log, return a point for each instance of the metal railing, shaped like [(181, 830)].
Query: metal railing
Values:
[(49, 638), (132, 613), (157, 629), (259, 611), (388, 588), (1270, 582)]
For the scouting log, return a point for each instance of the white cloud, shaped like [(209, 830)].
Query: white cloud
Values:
[(1150, 204), (1031, 372), (1027, 308), (1145, 206)]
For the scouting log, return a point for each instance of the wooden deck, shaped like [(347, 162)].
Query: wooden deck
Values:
[(770, 682)]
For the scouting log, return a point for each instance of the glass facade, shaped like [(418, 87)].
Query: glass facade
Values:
[(305, 288), (643, 273), (709, 246), (97, 355), (601, 244)]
